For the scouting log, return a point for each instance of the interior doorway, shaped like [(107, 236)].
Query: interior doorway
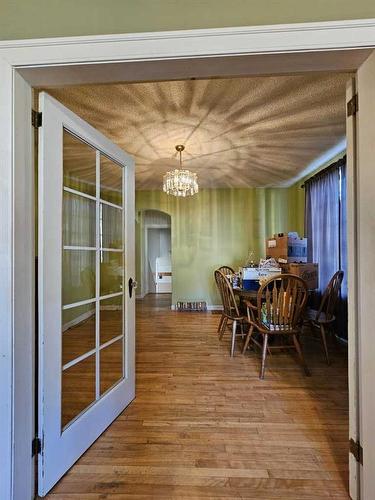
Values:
[(22, 115), (156, 251), (215, 220)]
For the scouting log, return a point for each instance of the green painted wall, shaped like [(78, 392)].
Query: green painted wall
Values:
[(216, 227), (42, 18), (296, 196)]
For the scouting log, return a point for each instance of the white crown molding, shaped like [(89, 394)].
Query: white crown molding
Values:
[(235, 31), (280, 38)]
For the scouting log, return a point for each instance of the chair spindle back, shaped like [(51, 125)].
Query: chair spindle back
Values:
[(331, 296), (226, 293), (281, 301), (226, 270)]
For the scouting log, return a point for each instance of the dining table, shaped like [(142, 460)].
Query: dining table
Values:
[(245, 294), (252, 295)]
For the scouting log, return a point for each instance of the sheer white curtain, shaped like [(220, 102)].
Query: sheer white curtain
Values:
[(110, 227), (78, 265)]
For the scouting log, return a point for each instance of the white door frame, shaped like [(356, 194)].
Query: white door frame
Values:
[(17, 179), (353, 279)]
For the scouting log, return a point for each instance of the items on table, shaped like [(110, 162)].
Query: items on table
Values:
[(253, 276), (250, 260), (236, 280)]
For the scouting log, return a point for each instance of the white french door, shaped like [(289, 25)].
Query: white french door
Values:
[(86, 270), (365, 189), (361, 278)]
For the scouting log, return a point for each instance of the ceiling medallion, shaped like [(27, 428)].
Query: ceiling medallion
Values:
[(180, 182)]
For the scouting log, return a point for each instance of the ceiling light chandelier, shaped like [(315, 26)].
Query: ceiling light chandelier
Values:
[(180, 182)]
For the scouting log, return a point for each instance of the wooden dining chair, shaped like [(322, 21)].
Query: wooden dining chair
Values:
[(278, 312), (230, 308), (227, 271), (324, 317)]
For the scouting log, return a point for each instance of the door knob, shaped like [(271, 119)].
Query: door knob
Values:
[(132, 284)]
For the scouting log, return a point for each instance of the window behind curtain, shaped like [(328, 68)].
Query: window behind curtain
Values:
[(325, 228)]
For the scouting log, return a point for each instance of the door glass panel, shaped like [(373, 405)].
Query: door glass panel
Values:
[(78, 275), (111, 365), (111, 272), (79, 216), (79, 164), (78, 332), (110, 318), (110, 226), (78, 389), (110, 181), (81, 229)]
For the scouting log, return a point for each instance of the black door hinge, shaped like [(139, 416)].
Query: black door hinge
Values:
[(36, 118), (352, 106), (36, 447), (356, 450)]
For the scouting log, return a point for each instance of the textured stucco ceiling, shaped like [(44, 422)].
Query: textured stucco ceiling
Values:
[(243, 132)]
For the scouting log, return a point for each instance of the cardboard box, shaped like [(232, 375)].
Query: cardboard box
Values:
[(277, 247), (289, 248), (308, 272)]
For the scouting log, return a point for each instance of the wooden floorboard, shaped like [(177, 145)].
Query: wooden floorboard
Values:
[(204, 426)]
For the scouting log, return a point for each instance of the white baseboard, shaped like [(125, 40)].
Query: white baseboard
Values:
[(140, 296)]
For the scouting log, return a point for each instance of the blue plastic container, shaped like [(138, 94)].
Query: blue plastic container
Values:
[(251, 285)]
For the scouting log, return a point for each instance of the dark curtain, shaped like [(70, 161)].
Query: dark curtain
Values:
[(325, 227)]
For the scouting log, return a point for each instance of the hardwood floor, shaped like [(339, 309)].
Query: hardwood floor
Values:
[(204, 426)]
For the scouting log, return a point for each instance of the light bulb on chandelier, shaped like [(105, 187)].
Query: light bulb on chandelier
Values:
[(180, 182)]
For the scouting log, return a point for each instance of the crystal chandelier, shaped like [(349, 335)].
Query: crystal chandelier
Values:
[(180, 182)]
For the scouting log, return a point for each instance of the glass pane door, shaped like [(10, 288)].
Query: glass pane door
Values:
[(93, 277), (86, 314)]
